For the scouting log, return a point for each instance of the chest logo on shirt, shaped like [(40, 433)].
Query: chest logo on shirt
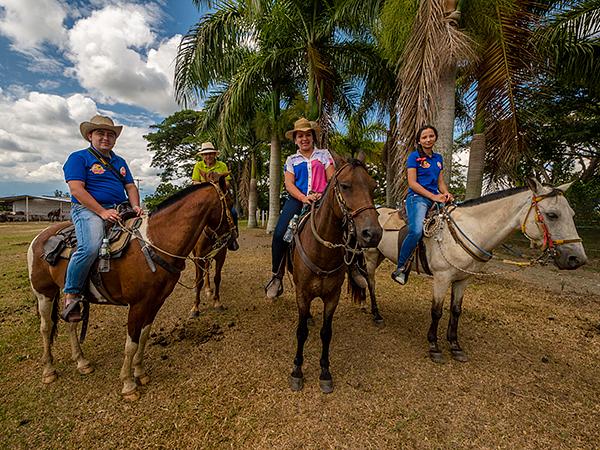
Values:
[(124, 172), (425, 164), (439, 164), (97, 169)]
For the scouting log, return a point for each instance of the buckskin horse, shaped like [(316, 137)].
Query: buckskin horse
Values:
[(322, 251), (461, 240), (171, 230), (206, 249)]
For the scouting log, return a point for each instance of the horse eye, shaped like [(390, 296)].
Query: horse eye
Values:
[(345, 186), (552, 215)]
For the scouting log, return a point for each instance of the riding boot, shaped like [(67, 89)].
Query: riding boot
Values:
[(274, 287), (233, 244), (401, 275)]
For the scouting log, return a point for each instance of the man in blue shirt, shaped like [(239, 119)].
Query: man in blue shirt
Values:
[(99, 180)]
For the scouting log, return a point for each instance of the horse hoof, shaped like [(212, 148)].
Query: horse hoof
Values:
[(378, 321), (459, 355), (436, 357), (143, 380), (326, 386), (296, 384), (85, 370), (49, 377), (310, 322), (132, 396), (194, 314)]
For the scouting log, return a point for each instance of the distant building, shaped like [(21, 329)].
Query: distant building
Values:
[(35, 207)]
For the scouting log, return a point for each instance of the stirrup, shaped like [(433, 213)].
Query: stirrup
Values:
[(72, 311), (270, 283)]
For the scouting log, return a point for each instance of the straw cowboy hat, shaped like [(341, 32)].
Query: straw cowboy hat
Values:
[(303, 124), (99, 123), (207, 147)]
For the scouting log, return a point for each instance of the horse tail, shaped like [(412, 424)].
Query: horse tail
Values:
[(54, 316), (357, 294)]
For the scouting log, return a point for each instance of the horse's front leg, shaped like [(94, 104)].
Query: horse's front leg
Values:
[(83, 365), (136, 322), (440, 286), (199, 282), (371, 267), (458, 290), (329, 305), (139, 372), (208, 292), (219, 261), (297, 377)]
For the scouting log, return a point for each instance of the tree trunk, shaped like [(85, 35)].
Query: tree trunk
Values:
[(476, 164), (252, 194), (444, 121), (387, 160), (274, 182)]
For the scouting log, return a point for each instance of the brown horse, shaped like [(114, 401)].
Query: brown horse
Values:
[(207, 251), (322, 252), (172, 230), (54, 215)]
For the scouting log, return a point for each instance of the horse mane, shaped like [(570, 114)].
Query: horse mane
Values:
[(493, 196), (178, 196)]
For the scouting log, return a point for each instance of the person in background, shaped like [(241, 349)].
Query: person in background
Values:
[(209, 163), (98, 180)]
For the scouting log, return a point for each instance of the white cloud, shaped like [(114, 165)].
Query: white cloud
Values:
[(31, 23), (107, 50), (38, 132)]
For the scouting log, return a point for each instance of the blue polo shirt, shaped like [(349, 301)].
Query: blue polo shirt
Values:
[(102, 184), (428, 170)]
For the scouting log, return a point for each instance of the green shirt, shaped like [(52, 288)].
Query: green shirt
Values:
[(200, 166)]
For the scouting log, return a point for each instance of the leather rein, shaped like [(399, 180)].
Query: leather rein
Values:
[(349, 229), (548, 244)]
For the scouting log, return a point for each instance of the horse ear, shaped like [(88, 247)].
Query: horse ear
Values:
[(361, 156), (223, 181), (534, 185), (563, 187), (337, 159)]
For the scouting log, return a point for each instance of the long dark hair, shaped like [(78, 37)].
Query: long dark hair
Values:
[(418, 138)]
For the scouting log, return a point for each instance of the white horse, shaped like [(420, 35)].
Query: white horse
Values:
[(463, 238)]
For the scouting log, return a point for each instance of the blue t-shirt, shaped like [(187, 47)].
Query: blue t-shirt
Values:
[(428, 170), (102, 183)]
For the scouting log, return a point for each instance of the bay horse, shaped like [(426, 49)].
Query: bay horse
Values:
[(54, 215), (464, 237), (172, 230), (206, 249), (322, 252)]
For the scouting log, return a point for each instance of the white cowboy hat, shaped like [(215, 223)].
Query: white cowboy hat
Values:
[(207, 147), (99, 123), (303, 124)]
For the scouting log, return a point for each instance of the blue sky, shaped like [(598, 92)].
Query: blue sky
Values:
[(62, 61)]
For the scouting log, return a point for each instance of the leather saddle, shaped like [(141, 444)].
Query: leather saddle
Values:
[(62, 244), (397, 221)]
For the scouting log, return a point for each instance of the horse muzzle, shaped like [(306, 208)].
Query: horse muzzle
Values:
[(369, 237), (570, 256)]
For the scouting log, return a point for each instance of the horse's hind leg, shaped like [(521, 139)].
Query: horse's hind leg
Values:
[(48, 310), (297, 377), (83, 365), (329, 306), (439, 290), (458, 290)]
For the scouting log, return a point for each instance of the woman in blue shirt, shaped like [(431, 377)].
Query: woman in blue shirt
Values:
[(426, 185)]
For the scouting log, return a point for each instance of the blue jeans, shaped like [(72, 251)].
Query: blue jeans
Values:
[(416, 210), (89, 229), (279, 246)]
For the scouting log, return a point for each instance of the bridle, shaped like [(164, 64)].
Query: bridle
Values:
[(548, 244), (348, 225)]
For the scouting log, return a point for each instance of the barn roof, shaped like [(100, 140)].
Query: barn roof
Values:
[(15, 198)]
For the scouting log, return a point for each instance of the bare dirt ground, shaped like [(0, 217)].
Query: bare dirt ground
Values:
[(221, 381)]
